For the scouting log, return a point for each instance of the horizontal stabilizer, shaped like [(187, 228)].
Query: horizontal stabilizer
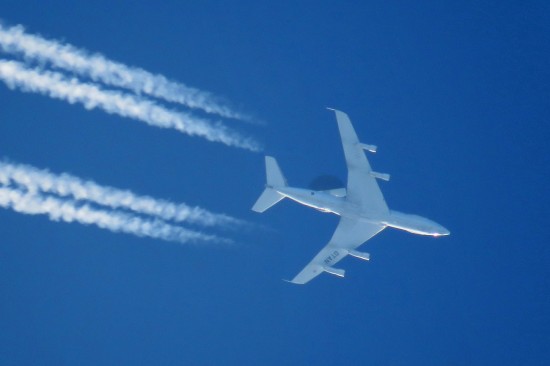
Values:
[(334, 271), (268, 198), (360, 255)]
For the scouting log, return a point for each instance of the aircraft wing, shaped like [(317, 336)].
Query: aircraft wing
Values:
[(349, 234), (362, 187)]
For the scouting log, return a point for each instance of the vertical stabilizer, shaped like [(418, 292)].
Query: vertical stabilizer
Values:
[(273, 173)]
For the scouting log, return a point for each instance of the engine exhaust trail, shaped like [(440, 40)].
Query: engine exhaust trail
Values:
[(15, 40), (35, 180), (69, 211), (58, 86)]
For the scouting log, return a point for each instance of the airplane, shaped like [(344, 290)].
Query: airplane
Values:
[(361, 206)]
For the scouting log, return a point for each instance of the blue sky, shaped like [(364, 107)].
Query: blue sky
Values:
[(455, 95)]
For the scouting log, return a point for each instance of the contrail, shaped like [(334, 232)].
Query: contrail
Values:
[(95, 66), (69, 211), (56, 85), (36, 180)]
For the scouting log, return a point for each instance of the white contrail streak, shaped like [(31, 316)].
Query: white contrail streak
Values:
[(69, 211), (36, 180), (56, 85), (98, 68)]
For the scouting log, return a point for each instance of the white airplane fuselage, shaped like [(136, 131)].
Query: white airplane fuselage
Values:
[(327, 202)]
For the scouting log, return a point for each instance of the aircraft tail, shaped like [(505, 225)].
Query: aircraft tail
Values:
[(273, 173), (275, 178)]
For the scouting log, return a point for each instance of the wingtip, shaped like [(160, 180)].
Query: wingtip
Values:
[(291, 281), (334, 110)]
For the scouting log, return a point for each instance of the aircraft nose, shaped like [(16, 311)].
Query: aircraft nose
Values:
[(444, 231)]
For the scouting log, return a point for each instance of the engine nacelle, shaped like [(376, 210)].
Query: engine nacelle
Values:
[(360, 255), (371, 148), (383, 176), (334, 271)]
